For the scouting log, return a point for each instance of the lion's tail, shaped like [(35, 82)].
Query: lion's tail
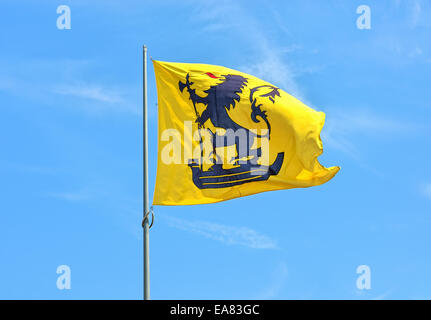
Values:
[(268, 133), (257, 112)]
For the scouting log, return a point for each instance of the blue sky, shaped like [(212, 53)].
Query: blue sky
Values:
[(71, 152)]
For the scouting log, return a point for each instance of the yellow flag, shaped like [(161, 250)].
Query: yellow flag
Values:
[(225, 134)]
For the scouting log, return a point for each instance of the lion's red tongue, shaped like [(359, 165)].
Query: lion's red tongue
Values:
[(211, 75)]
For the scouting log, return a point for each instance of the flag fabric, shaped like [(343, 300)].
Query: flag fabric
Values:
[(224, 134)]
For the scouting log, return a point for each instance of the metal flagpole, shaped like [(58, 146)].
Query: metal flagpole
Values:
[(145, 222)]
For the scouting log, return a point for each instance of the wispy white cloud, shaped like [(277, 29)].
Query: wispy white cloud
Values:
[(367, 121), (426, 189), (98, 97), (28, 168), (69, 196), (89, 92), (416, 52), (416, 12), (343, 127), (382, 296), (272, 68), (270, 64), (280, 21), (367, 294), (276, 283), (88, 192), (6, 84), (229, 235), (25, 81)]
